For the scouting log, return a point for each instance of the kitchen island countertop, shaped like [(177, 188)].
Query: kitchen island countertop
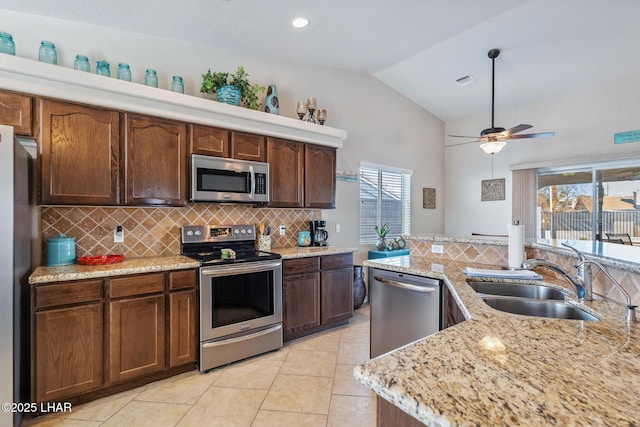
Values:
[(498, 368), (309, 251)]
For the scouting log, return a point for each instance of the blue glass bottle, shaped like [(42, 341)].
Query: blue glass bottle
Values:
[(151, 78), (177, 85), (6, 44), (81, 63), (103, 69), (124, 72), (47, 53)]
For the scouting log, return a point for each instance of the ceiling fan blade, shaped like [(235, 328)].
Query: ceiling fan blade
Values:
[(516, 129), (463, 136), (461, 143), (533, 135)]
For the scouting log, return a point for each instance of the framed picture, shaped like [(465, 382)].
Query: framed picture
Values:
[(492, 189), (428, 198)]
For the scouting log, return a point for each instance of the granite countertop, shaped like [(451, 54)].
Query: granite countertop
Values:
[(498, 368), (309, 251), (128, 266)]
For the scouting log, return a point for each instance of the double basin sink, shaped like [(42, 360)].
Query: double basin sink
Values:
[(528, 300)]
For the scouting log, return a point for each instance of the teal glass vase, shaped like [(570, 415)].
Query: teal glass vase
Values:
[(177, 85), (271, 103), (81, 63), (124, 72), (103, 68), (151, 78), (6, 44), (47, 53), (229, 94)]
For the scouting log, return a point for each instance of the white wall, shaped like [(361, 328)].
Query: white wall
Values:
[(383, 126), (584, 123)]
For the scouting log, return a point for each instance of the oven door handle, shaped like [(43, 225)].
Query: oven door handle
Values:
[(403, 285), (237, 269), (243, 338), (253, 183)]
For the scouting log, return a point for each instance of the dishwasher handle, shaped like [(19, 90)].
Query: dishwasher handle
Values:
[(406, 286)]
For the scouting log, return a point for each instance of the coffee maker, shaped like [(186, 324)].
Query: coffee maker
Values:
[(319, 233)]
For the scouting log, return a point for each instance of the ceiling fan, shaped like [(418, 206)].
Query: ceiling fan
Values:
[(494, 138)]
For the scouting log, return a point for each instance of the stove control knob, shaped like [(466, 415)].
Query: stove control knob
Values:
[(248, 231), (243, 231), (198, 232), (236, 231), (189, 233)]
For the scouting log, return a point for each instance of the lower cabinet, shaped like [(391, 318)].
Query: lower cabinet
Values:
[(387, 415), (451, 313), (316, 293), (88, 336)]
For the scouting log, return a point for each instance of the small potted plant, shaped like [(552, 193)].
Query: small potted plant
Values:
[(232, 88), (381, 243)]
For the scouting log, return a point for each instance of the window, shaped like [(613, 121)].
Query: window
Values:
[(589, 202), (385, 198)]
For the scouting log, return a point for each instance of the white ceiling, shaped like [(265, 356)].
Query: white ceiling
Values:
[(418, 47)]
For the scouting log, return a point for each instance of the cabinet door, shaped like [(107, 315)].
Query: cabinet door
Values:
[(136, 335), (300, 304), (79, 148), (286, 165), (451, 313), (246, 146), (68, 352), (336, 293), (319, 177), (209, 141), (182, 328), (16, 110), (156, 161)]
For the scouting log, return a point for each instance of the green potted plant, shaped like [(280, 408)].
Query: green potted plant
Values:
[(381, 243), (232, 88)]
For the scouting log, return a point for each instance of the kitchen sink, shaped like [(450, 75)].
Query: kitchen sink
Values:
[(539, 292), (536, 307)]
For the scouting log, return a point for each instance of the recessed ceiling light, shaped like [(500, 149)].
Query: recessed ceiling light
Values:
[(300, 22)]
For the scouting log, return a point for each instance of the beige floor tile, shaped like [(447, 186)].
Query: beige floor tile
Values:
[(281, 419), (299, 393), (352, 411), (345, 384), (324, 341), (253, 373), (313, 363), (228, 407), (353, 353), (53, 421), (152, 414), (279, 354), (102, 409), (356, 334), (185, 388)]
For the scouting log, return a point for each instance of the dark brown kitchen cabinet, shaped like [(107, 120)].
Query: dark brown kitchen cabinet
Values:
[(156, 161), (300, 296), (136, 326), (317, 293), (79, 150), (209, 141), (247, 146), (319, 177), (451, 313), (387, 414), (336, 280), (16, 109), (183, 319), (286, 173), (67, 339)]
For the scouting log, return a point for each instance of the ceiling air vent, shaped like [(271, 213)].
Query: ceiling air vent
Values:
[(466, 80)]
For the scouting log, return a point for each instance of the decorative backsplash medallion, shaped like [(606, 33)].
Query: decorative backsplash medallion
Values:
[(156, 231)]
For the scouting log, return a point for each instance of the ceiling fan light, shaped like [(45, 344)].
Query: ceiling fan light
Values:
[(492, 147)]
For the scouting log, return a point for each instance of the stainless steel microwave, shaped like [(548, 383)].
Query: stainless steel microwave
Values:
[(218, 179)]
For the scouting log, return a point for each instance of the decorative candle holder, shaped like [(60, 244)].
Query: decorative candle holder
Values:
[(309, 110)]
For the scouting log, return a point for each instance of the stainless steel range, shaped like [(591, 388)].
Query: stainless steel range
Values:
[(240, 296)]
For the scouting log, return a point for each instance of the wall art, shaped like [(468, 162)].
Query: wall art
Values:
[(428, 198), (493, 189)]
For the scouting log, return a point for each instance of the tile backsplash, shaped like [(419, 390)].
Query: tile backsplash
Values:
[(156, 231)]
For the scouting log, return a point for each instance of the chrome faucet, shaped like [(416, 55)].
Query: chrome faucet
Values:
[(575, 281), (630, 314)]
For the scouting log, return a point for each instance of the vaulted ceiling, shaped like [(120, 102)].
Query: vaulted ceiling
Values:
[(417, 47)]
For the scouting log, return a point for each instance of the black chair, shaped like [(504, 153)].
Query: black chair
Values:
[(624, 238)]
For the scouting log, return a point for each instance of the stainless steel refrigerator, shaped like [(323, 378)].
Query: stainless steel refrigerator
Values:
[(16, 217)]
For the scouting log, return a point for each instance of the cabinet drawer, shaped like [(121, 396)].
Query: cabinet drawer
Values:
[(331, 262), (300, 265), (182, 279), (136, 285), (16, 110), (68, 293)]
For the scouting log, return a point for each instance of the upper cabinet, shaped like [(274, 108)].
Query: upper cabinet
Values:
[(246, 146), (209, 141), (319, 177), (301, 175), (79, 148), (286, 173), (16, 110), (156, 161)]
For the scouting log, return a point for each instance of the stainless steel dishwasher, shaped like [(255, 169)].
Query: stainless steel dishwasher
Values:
[(404, 308)]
